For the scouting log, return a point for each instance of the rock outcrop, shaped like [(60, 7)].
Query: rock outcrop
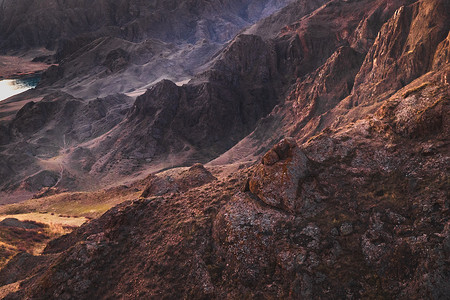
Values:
[(353, 204), (195, 176), (403, 50), (277, 180), (30, 23)]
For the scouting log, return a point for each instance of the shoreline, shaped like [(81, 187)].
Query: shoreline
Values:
[(14, 67), (22, 75)]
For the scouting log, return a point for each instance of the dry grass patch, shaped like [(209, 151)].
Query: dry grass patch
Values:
[(32, 237), (80, 204), (54, 216)]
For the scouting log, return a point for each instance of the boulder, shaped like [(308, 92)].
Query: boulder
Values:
[(276, 182)]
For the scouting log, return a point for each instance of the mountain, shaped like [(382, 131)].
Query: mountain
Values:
[(94, 65), (106, 47), (208, 116), (31, 23), (323, 130)]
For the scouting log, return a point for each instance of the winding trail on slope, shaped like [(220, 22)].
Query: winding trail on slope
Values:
[(61, 164)]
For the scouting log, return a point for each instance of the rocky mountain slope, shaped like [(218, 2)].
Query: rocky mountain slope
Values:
[(205, 118), (31, 23), (240, 85), (105, 47), (330, 177), (357, 212), (92, 64)]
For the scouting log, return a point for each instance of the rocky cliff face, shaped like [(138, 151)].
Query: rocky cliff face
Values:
[(214, 111), (403, 50), (347, 198)]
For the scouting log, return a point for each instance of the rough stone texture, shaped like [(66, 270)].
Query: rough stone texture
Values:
[(376, 225), (198, 121), (391, 193), (277, 184), (22, 265), (48, 128), (30, 23), (405, 45), (194, 122), (195, 176), (354, 206)]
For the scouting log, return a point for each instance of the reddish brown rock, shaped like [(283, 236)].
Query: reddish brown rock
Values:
[(403, 50), (277, 184), (356, 206), (442, 56), (195, 176), (270, 158)]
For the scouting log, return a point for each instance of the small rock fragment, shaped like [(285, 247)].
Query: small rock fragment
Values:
[(346, 228)]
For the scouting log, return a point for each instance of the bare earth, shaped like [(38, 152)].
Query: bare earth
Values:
[(13, 66)]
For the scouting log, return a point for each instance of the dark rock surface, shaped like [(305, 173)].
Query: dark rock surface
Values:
[(205, 117), (276, 181), (373, 221), (156, 39), (31, 23), (45, 129), (195, 176), (21, 266), (196, 122), (349, 196)]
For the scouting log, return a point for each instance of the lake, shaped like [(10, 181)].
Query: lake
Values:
[(11, 87)]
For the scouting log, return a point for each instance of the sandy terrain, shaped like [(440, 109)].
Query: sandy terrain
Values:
[(10, 106), (15, 66)]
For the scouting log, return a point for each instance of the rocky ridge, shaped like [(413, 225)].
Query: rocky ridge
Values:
[(231, 87), (240, 86), (136, 21), (354, 204), (109, 47)]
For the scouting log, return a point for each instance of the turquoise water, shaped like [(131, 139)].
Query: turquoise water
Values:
[(11, 87)]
